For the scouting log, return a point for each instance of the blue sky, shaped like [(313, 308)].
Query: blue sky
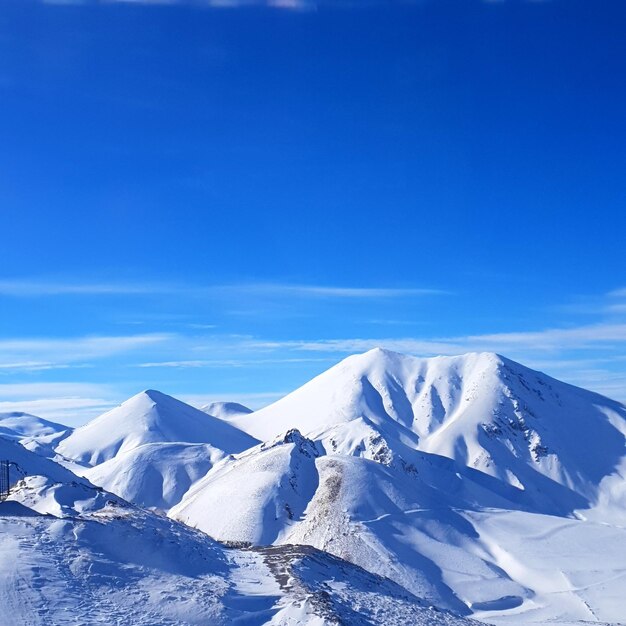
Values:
[(223, 201)]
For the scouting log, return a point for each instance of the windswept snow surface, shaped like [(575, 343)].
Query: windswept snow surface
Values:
[(73, 554)]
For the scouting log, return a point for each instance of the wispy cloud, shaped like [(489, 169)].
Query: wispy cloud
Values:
[(32, 366), (289, 5), (618, 293), (581, 337), (41, 288), (54, 353), (68, 403), (219, 363), (346, 292), (28, 391), (35, 288), (556, 338), (350, 345)]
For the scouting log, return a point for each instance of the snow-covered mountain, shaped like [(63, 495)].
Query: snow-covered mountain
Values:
[(17, 425), (152, 448), (225, 410), (74, 554), (446, 536), (149, 417), (288, 491), (552, 440)]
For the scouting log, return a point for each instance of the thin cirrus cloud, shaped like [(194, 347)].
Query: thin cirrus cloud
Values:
[(287, 5), (54, 353), (35, 288), (39, 288), (582, 337), (69, 403), (32, 366), (219, 363), (284, 5), (618, 293)]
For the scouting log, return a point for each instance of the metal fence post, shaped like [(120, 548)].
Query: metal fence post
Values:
[(4, 480)]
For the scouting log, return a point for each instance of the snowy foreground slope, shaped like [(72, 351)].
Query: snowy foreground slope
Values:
[(73, 554), (477, 484)]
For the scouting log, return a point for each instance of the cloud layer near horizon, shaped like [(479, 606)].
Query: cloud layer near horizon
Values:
[(72, 378)]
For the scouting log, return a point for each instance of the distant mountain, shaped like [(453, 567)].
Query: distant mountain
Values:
[(25, 463), (225, 410), (17, 425), (155, 475)]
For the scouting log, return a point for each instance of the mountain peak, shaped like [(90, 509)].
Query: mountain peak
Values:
[(150, 416), (152, 395), (382, 354)]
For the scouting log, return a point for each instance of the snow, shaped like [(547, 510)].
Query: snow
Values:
[(155, 475), (261, 492), (551, 439), (286, 493)]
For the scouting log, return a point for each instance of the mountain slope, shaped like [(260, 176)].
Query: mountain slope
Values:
[(447, 534), (287, 492), (155, 475)]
